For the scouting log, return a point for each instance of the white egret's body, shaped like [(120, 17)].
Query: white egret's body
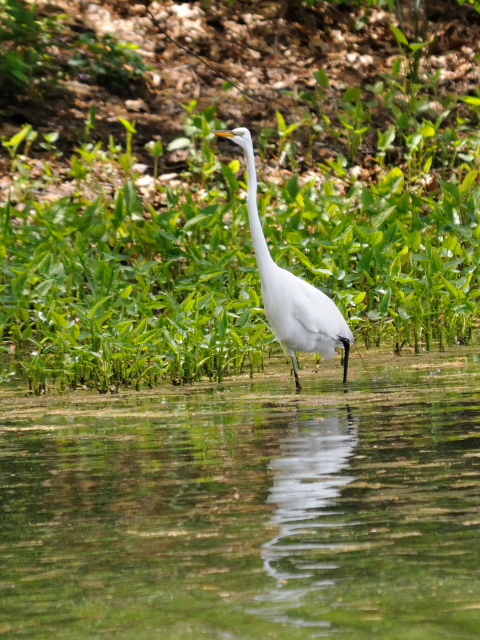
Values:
[(301, 316)]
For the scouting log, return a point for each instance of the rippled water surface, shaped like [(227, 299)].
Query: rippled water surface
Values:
[(243, 511)]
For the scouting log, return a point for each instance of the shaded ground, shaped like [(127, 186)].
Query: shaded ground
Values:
[(269, 49)]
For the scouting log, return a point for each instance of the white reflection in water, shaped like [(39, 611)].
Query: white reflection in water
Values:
[(308, 477)]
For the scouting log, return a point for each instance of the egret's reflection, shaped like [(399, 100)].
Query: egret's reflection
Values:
[(309, 476)]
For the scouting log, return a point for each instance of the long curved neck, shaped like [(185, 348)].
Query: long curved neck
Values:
[(264, 259)]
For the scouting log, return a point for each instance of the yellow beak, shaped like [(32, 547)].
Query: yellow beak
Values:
[(224, 134)]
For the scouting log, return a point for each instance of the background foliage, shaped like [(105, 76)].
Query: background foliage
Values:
[(37, 51)]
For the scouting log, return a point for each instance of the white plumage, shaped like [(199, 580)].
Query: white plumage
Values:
[(301, 316)]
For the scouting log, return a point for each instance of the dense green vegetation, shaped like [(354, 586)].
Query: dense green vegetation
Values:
[(96, 292)]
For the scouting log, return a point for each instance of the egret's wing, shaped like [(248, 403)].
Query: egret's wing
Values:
[(316, 311)]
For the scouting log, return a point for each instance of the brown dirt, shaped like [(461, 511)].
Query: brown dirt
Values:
[(269, 49)]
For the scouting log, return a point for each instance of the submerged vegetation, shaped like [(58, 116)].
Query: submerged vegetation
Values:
[(101, 288)]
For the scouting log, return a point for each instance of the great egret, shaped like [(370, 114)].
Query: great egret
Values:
[(301, 316)]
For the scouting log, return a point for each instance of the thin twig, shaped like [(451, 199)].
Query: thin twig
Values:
[(346, 19), (439, 24), (361, 357)]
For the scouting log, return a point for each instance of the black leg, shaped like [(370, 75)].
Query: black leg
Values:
[(345, 361), (346, 347), (297, 382), (295, 372)]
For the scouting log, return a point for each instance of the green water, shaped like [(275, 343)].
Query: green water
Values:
[(243, 511)]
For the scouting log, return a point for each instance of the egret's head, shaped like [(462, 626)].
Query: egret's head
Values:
[(240, 136)]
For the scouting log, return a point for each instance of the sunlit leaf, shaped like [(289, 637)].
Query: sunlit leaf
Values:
[(399, 35), (179, 143)]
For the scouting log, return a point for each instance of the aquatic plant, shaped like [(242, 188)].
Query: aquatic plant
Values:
[(105, 290)]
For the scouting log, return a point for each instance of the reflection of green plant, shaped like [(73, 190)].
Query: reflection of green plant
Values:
[(109, 62)]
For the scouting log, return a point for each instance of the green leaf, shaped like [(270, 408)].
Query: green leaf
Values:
[(204, 300), (212, 273), (193, 221), (380, 218), (322, 78), (59, 319), (179, 143), (146, 337), (457, 293), (129, 126), (19, 137), (393, 182), (385, 302), (416, 46), (244, 318), (414, 141), (235, 165), (375, 238), (471, 100), (293, 188), (96, 307), (399, 35), (291, 128), (468, 181), (44, 287), (396, 68), (229, 175), (155, 147), (449, 187), (223, 325), (352, 95), (365, 260), (427, 130), (305, 261), (281, 122), (133, 203), (125, 293), (168, 236)]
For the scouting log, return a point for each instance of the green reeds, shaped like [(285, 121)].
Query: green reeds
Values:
[(97, 294)]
